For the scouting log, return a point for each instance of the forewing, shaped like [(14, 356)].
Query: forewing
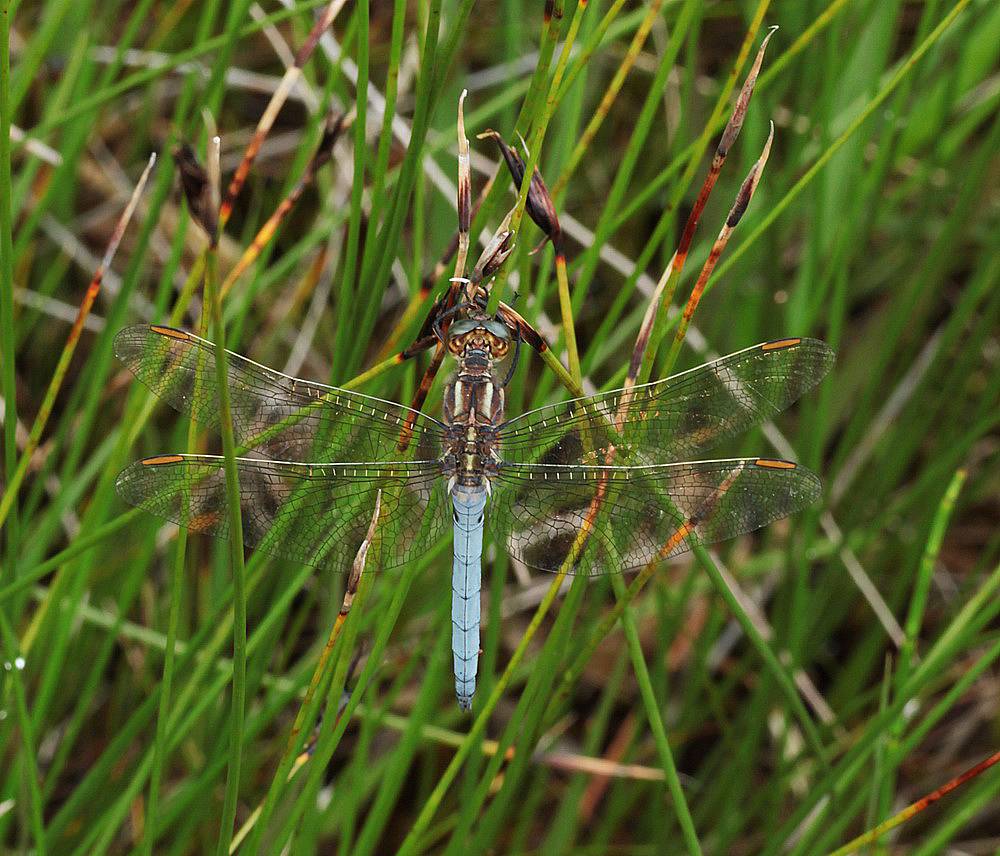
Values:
[(284, 418), (317, 514), (678, 418), (637, 515)]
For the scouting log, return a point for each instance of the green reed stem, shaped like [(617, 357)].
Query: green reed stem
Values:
[(234, 509), (8, 382), (160, 750), (538, 121), (656, 724), (14, 668)]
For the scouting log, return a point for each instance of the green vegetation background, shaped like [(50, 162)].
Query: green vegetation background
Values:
[(875, 226)]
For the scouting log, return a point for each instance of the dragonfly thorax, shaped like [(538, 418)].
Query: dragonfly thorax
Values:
[(473, 409)]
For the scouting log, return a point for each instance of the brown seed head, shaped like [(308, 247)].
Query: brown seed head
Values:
[(494, 255), (196, 186), (335, 125), (539, 204)]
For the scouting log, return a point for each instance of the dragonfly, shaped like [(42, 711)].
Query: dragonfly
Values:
[(595, 485)]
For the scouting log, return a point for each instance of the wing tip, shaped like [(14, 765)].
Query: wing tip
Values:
[(827, 355), (811, 485), (818, 346), (124, 483), (124, 342), (133, 474), (130, 342), (815, 352)]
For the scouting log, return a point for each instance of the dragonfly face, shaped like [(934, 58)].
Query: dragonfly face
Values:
[(478, 341), (621, 465)]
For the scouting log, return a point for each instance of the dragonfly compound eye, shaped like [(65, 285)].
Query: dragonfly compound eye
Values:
[(499, 347)]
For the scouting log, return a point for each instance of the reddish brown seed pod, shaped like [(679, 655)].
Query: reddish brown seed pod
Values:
[(539, 204), (196, 187)]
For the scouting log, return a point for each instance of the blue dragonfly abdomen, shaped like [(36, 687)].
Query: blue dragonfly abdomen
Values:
[(466, 582)]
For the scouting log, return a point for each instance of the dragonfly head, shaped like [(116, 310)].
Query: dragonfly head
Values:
[(479, 336)]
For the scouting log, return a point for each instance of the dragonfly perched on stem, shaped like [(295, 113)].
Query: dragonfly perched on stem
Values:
[(314, 458), (597, 484)]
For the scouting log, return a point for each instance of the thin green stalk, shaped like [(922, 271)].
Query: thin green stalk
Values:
[(7, 337), (608, 99), (568, 325), (349, 297), (234, 509), (160, 749), (540, 123), (918, 604), (656, 723), (914, 621), (565, 378), (14, 668)]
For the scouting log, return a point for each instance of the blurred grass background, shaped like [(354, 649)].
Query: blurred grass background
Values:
[(872, 676)]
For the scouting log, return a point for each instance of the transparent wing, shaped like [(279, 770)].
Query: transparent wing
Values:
[(678, 418), (638, 515), (283, 417), (317, 514)]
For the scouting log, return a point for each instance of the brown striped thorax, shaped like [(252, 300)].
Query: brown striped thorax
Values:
[(473, 406)]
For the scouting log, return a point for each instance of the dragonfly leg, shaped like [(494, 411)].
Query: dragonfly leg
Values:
[(441, 312), (406, 433), (514, 359)]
